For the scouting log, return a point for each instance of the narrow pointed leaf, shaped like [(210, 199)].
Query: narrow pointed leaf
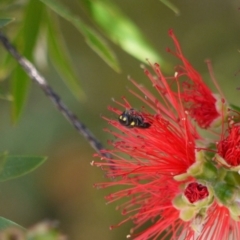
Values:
[(5, 21), (93, 39), (20, 87), (32, 24), (29, 34), (61, 60), (16, 166), (121, 30), (171, 6), (5, 223)]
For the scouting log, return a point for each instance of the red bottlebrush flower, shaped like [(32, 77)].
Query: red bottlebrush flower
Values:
[(203, 106), (166, 181), (229, 147), (158, 152)]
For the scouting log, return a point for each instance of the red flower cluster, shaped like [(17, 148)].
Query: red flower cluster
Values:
[(183, 186), (197, 97)]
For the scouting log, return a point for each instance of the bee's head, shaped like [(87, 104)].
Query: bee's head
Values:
[(125, 118)]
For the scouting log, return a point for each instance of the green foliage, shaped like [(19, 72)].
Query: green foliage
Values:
[(20, 87), (121, 30), (93, 39), (59, 57), (28, 36), (16, 166)]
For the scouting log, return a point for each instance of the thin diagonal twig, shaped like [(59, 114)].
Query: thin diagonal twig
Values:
[(33, 73)]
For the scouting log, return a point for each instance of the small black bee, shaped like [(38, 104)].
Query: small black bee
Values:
[(131, 118)]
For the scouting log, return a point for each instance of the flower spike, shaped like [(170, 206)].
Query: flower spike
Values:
[(172, 182)]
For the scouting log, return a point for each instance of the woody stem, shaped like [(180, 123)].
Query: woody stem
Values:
[(36, 77)]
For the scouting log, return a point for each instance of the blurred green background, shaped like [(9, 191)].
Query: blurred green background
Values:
[(61, 189)]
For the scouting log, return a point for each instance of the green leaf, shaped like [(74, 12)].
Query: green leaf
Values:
[(28, 38), (31, 27), (121, 30), (20, 87), (61, 60), (5, 223), (93, 39), (171, 6), (16, 166), (5, 21)]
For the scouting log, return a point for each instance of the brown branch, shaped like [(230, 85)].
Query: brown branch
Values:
[(33, 73)]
